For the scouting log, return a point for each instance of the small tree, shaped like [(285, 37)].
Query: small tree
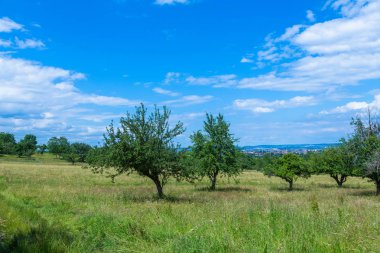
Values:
[(215, 150), (58, 146), (71, 156), (372, 170), (288, 167), (77, 152), (143, 143), (338, 162), (81, 149), (41, 149), (7, 143), (27, 146)]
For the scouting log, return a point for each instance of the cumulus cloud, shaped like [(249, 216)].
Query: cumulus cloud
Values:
[(165, 92), (30, 86), (320, 57), (171, 2), (264, 106), (355, 106), (29, 43), (45, 100), (5, 43), (246, 60), (7, 25), (310, 16), (290, 32), (189, 100), (172, 77), (216, 81)]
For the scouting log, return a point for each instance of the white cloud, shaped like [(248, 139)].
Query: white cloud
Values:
[(357, 34), (264, 106), (310, 16), (29, 43), (7, 25), (355, 106), (172, 77), (187, 118), (189, 100), (100, 117), (347, 7), (171, 2), (216, 81), (321, 57), (29, 88), (45, 101), (5, 43), (246, 60), (165, 92), (324, 130), (290, 33)]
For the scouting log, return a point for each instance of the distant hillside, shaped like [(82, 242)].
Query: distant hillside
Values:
[(289, 147)]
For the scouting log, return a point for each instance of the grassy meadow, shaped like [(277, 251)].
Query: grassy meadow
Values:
[(47, 205)]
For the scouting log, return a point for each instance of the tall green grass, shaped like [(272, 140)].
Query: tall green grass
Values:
[(63, 208)]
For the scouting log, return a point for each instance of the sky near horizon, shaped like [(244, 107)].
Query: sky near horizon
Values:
[(282, 72)]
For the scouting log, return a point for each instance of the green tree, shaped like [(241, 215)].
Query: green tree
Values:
[(262, 162), (143, 143), (338, 162), (7, 143), (27, 146), (288, 167), (77, 152), (245, 161), (81, 149), (215, 150), (58, 146), (372, 170), (366, 143), (41, 149), (71, 156)]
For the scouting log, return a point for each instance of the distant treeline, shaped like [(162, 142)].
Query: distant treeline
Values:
[(58, 146)]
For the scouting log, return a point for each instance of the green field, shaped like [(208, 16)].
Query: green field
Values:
[(47, 205)]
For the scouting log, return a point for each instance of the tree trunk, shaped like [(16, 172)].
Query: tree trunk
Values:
[(336, 180), (340, 180), (160, 188), (343, 179), (213, 181), (290, 185), (377, 187)]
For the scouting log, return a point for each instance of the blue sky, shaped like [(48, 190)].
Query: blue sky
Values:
[(282, 72)]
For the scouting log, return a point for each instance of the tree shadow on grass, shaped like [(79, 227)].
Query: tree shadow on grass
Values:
[(128, 197), (224, 189), (329, 186), (364, 193), (352, 187), (335, 186), (286, 189), (40, 238)]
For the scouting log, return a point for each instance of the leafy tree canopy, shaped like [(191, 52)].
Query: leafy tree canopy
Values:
[(144, 143), (27, 146), (215, 150), (288, 167), (58, 146), (7, 143), (338, 162)]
